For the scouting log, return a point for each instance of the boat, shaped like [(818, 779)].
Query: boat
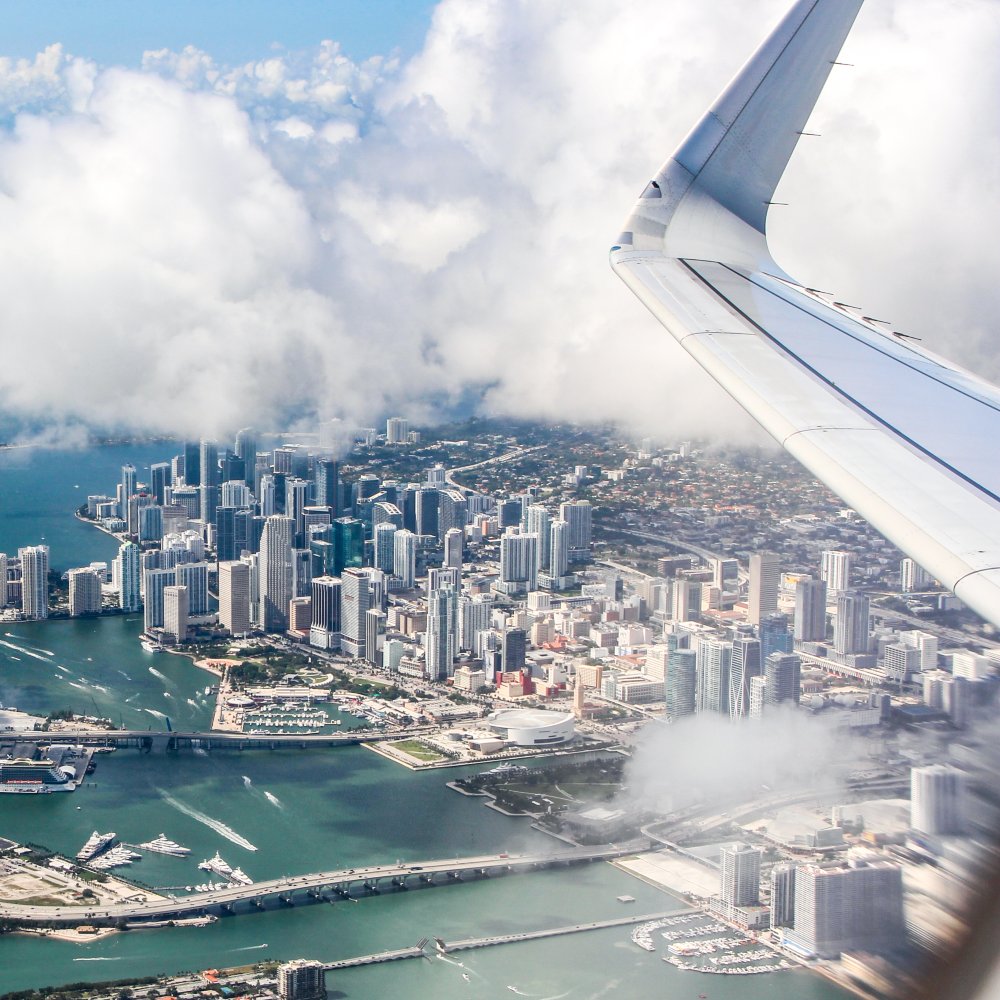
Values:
[(115, 858), (96, 843), (150, 647), (240, 877), (217, 866), (161, 845)]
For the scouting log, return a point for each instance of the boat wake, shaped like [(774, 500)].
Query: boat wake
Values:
[(193, 704), (100, 958), (250, 947), (65, 670), (213, 824), (152, 711), (156, 673), (274, 800), (27, 652), (247, 781), (81, 687), (37, 649)]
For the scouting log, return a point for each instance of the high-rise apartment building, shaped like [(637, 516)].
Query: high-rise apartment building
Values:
[(938, 800), (844, 907), (34, 581), (852, 624), (441, 637), (714, 659), (194, 576), (680, 682), (518, 562), (129, 577), (154, 583), (739, 875), (835, 570), (301, 980), (404, 562), (84, 591)]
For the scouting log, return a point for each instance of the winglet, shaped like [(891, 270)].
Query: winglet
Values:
[(735, 156)]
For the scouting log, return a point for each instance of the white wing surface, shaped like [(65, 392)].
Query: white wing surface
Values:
[(907, 439)]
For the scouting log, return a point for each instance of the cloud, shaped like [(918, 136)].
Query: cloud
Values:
[(193, 247), (708, 759)]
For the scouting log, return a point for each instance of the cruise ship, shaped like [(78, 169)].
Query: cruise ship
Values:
[(96, 843), (24, 776), (161, 845)]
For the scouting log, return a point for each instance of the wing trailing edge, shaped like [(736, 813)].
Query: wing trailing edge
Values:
[(905, 438)]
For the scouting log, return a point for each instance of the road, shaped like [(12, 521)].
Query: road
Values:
[(508, 456)]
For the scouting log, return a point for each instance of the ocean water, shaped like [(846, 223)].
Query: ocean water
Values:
[(286, 812)]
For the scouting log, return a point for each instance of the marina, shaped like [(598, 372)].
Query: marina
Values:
[(697, 942)]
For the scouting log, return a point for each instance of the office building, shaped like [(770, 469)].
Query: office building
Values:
[(938, 800), (579, 516), (355, 602), (324, 630), (783, 679), (810, 610), (175, 612), (208, 457), (348, 544), (34, 581), (848, 907), (276, 572), (900, 662), (775, 636), (765, 576), (245, 447), (234, 597), (835, 570), (514, 650), (84, 592)]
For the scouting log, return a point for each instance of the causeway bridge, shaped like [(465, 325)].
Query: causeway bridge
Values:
[(420, 950), (316, 887), (151, 741)]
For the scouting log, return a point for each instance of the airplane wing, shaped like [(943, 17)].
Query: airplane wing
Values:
[(906, 438)]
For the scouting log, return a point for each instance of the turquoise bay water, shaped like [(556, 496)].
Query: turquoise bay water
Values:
[(302, 811)]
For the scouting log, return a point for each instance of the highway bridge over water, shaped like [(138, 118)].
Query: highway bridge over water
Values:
[(316, 887), (162, 741)]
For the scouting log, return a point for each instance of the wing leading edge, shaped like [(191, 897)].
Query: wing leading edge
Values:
[(905, 438)]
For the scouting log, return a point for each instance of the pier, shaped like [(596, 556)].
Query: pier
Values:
[(447, 948), (328, 886)]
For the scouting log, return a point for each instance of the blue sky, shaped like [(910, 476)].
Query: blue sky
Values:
[(116, 32)]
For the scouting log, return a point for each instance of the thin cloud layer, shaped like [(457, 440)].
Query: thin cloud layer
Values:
[(192, 247)]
